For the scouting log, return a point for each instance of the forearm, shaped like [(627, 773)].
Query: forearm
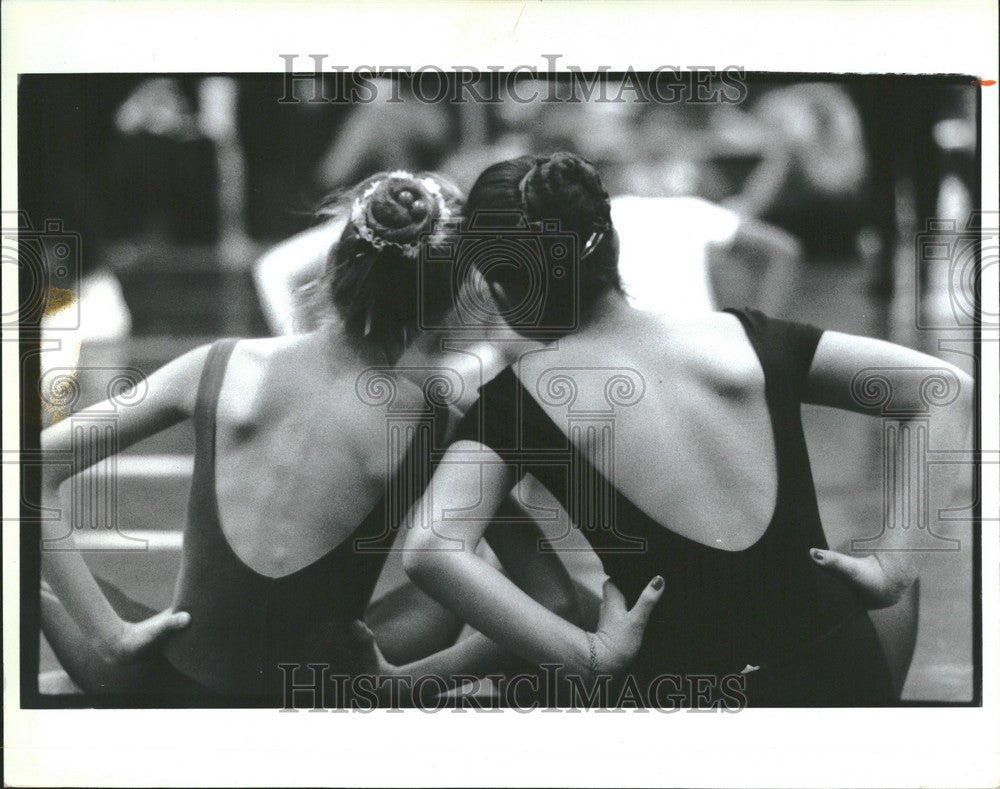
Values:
[(949, 429), (72, 581), (763, 185), (475, 656), (517, 543), (498, 609)]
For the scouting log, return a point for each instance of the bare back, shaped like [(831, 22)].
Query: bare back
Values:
[(695, 450), (301, 457)]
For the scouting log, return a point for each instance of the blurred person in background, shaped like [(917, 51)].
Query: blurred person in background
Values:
[(176, 183), (671, 245), (812, 174), (161, 186), (168, 164), (921, 138), (394, 130)]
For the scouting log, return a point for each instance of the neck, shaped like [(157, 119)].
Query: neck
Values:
[(329, 345), (610, 306)]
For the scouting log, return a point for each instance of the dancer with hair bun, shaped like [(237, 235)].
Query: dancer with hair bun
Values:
[(702, 480), (308, 449)]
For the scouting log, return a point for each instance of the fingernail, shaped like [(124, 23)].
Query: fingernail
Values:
[(657, 583), (817, 554), (185, 617)]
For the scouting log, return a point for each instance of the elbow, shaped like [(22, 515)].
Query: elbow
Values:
[(414, 564), (422, 557), (791, 249), (966, 401), (966, 390)]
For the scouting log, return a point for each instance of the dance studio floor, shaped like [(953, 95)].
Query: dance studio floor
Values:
[(845, 451)]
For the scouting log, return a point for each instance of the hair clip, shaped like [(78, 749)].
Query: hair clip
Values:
[(593, 241), (359, 217)]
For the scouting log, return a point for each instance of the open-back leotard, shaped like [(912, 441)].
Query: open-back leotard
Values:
[(768, 606), (243, 624)]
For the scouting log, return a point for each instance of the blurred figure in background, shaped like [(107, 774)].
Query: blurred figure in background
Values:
[(812, 175), (676, 277), (701, 235), (395, 130), (164, 167), (130, 160)]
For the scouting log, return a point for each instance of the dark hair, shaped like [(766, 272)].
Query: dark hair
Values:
[(562, 188), (379, 282)]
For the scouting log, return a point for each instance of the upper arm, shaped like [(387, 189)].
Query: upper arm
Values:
[(765, 242), (163, 399), (872, 376), (464, 494), (360, 133)]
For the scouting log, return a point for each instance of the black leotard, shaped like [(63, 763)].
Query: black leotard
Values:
[(243, 624), (768, 606)]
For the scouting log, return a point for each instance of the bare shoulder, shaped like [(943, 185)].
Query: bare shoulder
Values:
[(251, 359), (262, 369), (713, 347), (708, 331), (177, 381), (264, 347)]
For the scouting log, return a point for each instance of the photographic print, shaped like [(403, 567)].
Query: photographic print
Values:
[(542, 388)]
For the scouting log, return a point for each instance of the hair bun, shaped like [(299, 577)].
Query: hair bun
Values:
[(400, 208), (567, 187)]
